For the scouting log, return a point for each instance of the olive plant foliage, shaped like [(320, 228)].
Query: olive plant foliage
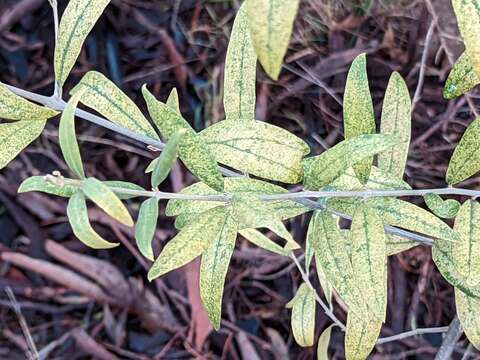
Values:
[(351, 263)]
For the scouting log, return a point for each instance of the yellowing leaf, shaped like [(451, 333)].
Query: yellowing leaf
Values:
[(397, 244), (378, 180), (271, 25), (303, 315), (461, 79), (465, 161), (257, 148), (240, 71), (468, 312), (78, 217), (323, 343), (145, 227), (77, 21), (106, 199), (358, 117), (260, 240), (16, 136), (104, 96), (446, 209), (321, 170), (214, 267), (190, 242), (396, 121), (68, 138), (361, 336), (14, 107), (166, 159)]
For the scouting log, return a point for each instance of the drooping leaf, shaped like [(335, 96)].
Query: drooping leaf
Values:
[(166, 159), (396, 121), (214, 267), (16, 136), (461, 79), (303, 315), (78, 217), (39, 183), (77, 21), (106, 199), (397, 244), (257, 148), (240, 71), (468, 312), (260, 240), (104, 96), (321, 170), (14, 107), (271, 25), (324, 342), (190, 242), (192, 149), (358, 116), (145, 226), (446, 209), (68, 138), (465, 161), (280, 229), (361, 335)]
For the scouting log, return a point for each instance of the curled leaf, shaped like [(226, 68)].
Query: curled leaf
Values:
[(324, 342)]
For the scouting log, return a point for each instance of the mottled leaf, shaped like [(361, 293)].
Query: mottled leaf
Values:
[(468, 312), (461, 79), (39, 183), (324, 283), (303, 315), (361, 336), (397, 244), (166, 159), (145, 226), (271, 25), (324, 342), (260, 240), (446, 209), (378, 180)]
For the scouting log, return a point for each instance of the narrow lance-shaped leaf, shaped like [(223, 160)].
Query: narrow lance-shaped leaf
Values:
[(468, 312), (106, 199), (303, 315), (240, 71), (324, 342), (77, 21), (361, 336), (396, 121), (40, 183), (446, 209), (214, 267), (321, 170), (461, 79), (323, 280), (104, 96), (358, 116), (78, 217), (68, 138), (145, 226), (271, 25), (260, 240), (166, 159)]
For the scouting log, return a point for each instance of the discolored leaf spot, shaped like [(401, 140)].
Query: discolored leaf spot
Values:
[(361, 336), (145, 227), (303, 315), (446, 209), (461, 79)]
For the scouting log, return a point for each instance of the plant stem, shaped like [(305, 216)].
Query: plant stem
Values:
[(410, 333), (451, 337), (57, 91)]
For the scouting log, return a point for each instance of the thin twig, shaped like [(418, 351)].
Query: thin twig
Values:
[(451, 337), (421, 78), (411, 333), (57, 91)]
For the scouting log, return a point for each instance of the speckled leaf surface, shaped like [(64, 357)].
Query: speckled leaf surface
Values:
[(378, 180), (303, 316), (16, 136), (461, 79), (39, 183), (166, 159), (115, 184), (145, 227), (468, 312), (78, 217), (271, 26), (446, 209), (214, 267), (396, 121), (257, 148), (106, 199), (240, 71), (324, 342), (397, 244), (261, 240), (358, 116), (321, 170), (68, 138), (76, 23), (465, 161), (14, 107), (104, 96), (324, 283), (361, 336)]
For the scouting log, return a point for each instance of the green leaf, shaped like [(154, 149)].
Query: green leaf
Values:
[(68, 138), (446, 209), (240, 71), (106, 199), (39, 183), (468, 19), (361, 336), (369, 259), (465, 161), (321, 170), (78, 217), (468, 312), (16, 136), (324, 342), (280, 229), (122, 185), (14, 107), (166, 159), (461, 79), (104, 96), (324, 283), (260, 240), (257, 148), (145, 227), (190, 242), (396, 121), (303, 315), (271, 26), (397, 244), (358, 116), (214, 267), (192, 149), (77, 21)]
